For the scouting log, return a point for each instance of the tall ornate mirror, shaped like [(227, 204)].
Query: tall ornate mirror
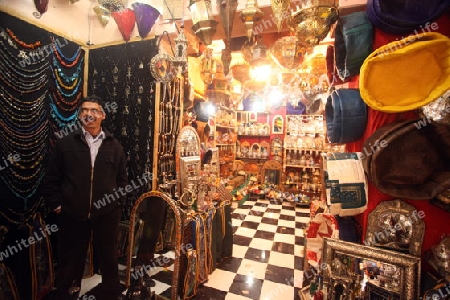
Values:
[(187, 156), (146, 222)]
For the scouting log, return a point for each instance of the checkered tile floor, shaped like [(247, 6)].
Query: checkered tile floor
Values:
[(267, 260), (268, 250)]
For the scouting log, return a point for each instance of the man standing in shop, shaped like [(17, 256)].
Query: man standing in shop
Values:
[(87, 165)]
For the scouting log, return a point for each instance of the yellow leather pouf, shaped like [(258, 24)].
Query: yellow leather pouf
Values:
[(406, 74)]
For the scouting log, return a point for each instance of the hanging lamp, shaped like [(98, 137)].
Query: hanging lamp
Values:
[(202, 17), (227, 10), (250, 15)]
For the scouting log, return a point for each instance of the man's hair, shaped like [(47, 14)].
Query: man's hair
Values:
[(93, 98)]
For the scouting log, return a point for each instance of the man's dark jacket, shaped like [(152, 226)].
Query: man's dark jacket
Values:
[(82, 191)]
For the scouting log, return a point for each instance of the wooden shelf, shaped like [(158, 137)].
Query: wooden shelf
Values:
[(253, 136), (218, 126), (301, 167), (251, 158)]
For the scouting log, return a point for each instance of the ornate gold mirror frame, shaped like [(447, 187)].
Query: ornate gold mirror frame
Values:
[(396, 225), (335, 271), (177, 245), (271, 172)]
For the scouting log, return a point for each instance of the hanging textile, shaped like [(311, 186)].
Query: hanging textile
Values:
[(8, 289), (40, 257)]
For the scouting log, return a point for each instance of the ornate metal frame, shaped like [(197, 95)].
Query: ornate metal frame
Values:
[(188, 137), (162, 67), (396, 220), (178, 220), (409, 266), (271, 165)]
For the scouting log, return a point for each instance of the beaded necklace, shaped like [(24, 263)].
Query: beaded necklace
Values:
[(22, 43), (23, 217), (23, 64), (25, 137), (60, 98), (21, 89), (59, 119), (5, 61), (62, 84), (75, 74), (27, 58), (18, 127), (26, 153), (75, 89), (18, 77), (22, 70), (61, 105), (21, 105), (23, 194), (10, 114), (61, 58)]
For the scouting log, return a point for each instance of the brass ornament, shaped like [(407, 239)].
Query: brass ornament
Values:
[(227, 10), (312, 24), (103, 14), (280, 10), (162, 68), (250, 15)]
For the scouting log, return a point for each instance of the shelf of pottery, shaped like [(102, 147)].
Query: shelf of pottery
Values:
[(303, 144), (225, 139), (253, 136)]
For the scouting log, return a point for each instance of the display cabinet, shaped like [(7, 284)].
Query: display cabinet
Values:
[(225, 136), (303, 144), (253, 134)]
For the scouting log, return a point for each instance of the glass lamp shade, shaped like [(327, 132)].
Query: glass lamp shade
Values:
[(204, 25), (311, 25), (200, 10), (260, 65)]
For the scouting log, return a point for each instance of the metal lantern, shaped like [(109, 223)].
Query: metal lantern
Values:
[(281, 11), (251, 14), (202, 17), (181, 43), (227, 10)]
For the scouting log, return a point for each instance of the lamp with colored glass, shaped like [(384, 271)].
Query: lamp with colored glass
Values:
[(260, 66), (204, 24)]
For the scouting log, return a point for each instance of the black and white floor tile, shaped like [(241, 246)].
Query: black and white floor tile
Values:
[(267, 259)]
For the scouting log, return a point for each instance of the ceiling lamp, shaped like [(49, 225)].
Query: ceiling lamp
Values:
[(260, 66), (202, 17), (239, 67), (208, 66), (286, 53), (312, 22), (251, 14), (227, 10), (218, 91), (280, 10)]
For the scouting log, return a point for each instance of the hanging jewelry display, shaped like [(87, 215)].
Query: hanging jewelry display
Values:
[(67, 77), (24, 126), (169, 126), (117, 74)]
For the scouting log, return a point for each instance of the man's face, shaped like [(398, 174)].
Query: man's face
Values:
[(91, 115)]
